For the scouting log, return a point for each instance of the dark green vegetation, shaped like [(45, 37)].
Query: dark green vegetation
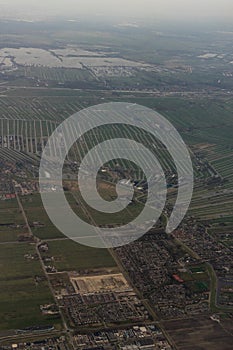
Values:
[(107, 191), (70, 256), (21, 294), (67, 254), (205, 123), (196, 279), (11, 221), (35, 213), (23, 286), (10, 214)]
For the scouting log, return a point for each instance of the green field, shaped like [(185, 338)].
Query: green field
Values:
[(20, 295), (204, 122), (71, 256), (11, 221), (10, 234), (10, 216), (36, 213), (192, 92)]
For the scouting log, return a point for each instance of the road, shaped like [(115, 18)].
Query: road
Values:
[(156, 93), (37, 244), (144, 301)]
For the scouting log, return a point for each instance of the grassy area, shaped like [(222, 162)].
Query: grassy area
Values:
[(70, 255), (61, 75), (213, 291), (13, 263), (35, 213), (213, 288), (8, 204), (11, 221), (9, 234), (10, 216), (20, 294), (20, 302)]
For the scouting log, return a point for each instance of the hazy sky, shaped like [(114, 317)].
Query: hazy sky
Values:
[(177, 9)]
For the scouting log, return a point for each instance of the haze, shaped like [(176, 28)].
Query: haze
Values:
[(170, 9)]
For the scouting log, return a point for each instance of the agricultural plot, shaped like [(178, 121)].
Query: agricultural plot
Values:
[(67, 254), (23, 287), (10, 234), (198, 333), (214, 197), (60, 75), (222, 229), (12, 155), (221, 159), (106, 220), (205, 124), (48, 108), (11, 221), (21, 292), (30, 133), (36, 214), (65, 80), (9, 204), (99, 135), (204, 117), (10, 216), (27, 136), (211, 207), (26, 123), (70, 256), (200, 120), (196, 279)]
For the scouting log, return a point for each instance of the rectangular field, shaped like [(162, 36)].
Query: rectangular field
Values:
[(71, 256), (198, 334), (23, 288)]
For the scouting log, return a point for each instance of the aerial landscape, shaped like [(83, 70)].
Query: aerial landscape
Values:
[(161, 289)]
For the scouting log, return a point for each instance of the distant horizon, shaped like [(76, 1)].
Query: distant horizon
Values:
[(125, 22), (129, 10)]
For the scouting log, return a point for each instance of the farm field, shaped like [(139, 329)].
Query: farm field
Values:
[(214, 200), (9, 229), (222, 230), (45, 230), (20, 294), (23, 277), (199, 120), (182, 279), (10, 216), (120, 218), (36, 213), (198, 333), (70, 256), (60, 75), (205, 125), (10, 234)]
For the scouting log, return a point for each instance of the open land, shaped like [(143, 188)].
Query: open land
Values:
[(162, 291)]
